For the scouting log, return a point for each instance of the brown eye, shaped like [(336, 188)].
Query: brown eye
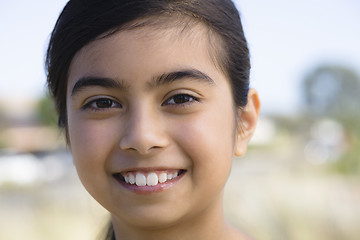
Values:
[(179, 99), (102, 104)]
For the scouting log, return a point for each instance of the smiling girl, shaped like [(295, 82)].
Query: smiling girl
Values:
[(154, 98)]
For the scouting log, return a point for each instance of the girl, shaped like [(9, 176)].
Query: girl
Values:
[(154, 98)]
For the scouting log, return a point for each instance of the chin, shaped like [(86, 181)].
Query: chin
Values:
[(152, 223), (151, 219)]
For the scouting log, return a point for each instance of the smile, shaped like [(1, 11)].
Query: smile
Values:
[(150, 178)]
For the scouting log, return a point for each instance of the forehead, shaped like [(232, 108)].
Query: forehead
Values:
[(158, 33), (170, 44)]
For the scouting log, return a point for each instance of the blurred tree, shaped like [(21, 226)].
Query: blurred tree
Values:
[(2, 116), (45, 112), (333, 91), (2, 125)]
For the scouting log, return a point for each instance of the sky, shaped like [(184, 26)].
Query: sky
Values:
[(287, 40)]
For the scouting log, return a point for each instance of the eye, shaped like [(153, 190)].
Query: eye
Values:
[(180, 99), (102, 104)]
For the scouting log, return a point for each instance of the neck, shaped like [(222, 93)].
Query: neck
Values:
[(206, 225)]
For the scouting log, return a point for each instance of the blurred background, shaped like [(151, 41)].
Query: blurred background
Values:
[(300, 178)]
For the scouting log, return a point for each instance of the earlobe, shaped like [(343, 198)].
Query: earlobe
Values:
[(247, 120)]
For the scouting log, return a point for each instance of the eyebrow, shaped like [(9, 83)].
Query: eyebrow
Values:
[(97, 82), (157, 81), (170, 77)]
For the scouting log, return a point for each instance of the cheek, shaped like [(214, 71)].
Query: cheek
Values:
[(90, 143), (209, 141)]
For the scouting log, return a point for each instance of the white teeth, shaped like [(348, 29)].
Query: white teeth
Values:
[(152, 179), (170, 176), (126, 179), (140, 179), (162, 177), (131, 179)]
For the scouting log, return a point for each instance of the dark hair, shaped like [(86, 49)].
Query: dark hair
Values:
[(82, 21)]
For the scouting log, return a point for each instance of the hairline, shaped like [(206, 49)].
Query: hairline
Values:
[(216, 45)]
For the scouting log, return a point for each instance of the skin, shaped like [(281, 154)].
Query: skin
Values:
[(189, 123)]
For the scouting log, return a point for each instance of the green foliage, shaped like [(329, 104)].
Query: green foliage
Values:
[(349, 164), (46, 113)]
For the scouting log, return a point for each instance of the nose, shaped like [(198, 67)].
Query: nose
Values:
[(143, 132)]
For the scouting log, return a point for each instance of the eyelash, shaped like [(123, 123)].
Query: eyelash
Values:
[(93, 105), (185, 99), (188, 100)]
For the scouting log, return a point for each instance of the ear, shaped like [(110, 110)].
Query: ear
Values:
[(247, 120)]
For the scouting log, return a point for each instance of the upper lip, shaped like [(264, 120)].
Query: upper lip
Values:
[(148, 169)]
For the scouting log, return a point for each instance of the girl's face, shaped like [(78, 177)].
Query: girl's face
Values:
[(152, 125)]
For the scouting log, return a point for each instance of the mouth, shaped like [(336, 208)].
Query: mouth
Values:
[(149, 178)]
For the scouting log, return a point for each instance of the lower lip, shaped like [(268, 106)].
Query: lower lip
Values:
[(160, 187)]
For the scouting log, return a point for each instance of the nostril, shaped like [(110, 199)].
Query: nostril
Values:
[(142, 149), (144, 141), (154, 147)]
